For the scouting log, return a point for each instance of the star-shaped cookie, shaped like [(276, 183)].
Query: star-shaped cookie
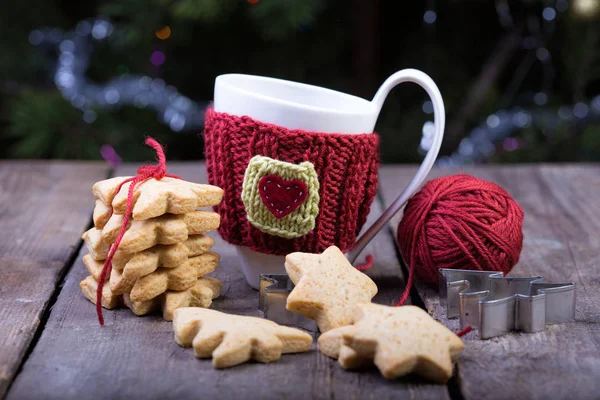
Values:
[(200, 295), (163, 279), (399, 340), (89, 287), (166, 229), (234, 339), (97, 247), (153, 198), (151, 284), (162, 255), (327, 287), (101, 214)]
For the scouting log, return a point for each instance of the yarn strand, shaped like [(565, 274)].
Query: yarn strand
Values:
[(407, 288), (367, 264), (459, 222), (464, 331), (144, 173)]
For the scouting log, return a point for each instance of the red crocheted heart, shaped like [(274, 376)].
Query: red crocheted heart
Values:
[(281, 197)]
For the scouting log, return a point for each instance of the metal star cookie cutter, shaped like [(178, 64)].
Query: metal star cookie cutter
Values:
[(496, 304), (273, 292)]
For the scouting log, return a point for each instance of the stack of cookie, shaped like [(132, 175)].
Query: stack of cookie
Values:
[(164, 254)]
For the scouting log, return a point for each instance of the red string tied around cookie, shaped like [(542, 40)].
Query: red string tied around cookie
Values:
[(144, 173)]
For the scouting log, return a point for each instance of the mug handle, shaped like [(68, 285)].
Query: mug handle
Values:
[(439, 117)]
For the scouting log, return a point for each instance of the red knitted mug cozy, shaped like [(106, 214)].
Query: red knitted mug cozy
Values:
[(265, 170)]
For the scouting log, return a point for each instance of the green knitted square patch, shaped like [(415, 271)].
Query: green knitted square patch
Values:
[(298, 222)]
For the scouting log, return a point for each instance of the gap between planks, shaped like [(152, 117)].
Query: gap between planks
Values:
[(48, 310), (51, 301), (561, 244), (148, 341), (453, 386), (43, 212)]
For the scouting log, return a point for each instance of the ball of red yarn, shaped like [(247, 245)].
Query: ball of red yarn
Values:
[(460, 222)]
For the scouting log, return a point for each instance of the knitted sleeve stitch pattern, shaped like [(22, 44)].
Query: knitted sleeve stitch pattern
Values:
[(297, 223), (346, 166)]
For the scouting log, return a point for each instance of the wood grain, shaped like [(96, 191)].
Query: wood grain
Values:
[(562, 221), (44, 208), (136, 357)]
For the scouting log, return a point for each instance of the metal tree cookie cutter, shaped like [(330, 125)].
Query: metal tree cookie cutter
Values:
[(496, 304), (273, 292)]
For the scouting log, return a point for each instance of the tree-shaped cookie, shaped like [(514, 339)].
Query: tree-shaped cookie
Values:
[(166, 229), (234, 339), (327, 287), (153, 198), (399, 340)]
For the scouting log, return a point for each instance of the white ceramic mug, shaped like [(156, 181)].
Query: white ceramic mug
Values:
[(311, 108)]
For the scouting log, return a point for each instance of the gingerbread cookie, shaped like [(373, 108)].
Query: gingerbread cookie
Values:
[(200, 295), (179, 278), (398, 340), (102, 213), (168, 256), (149, 284), (135, 265), (234, 339), (96, 246), (327, 287), (89, 287), (94, 267), (153, 198), (166, 229), (106, 189)]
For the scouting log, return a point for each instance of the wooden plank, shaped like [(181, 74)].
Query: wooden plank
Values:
[(44, 208), (136, 357), (393, 180), (562, 221)]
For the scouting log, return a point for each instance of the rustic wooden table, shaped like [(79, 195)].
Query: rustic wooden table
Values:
[(52, 347)]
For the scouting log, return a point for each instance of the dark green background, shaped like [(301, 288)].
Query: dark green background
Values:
[(350, 46)]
